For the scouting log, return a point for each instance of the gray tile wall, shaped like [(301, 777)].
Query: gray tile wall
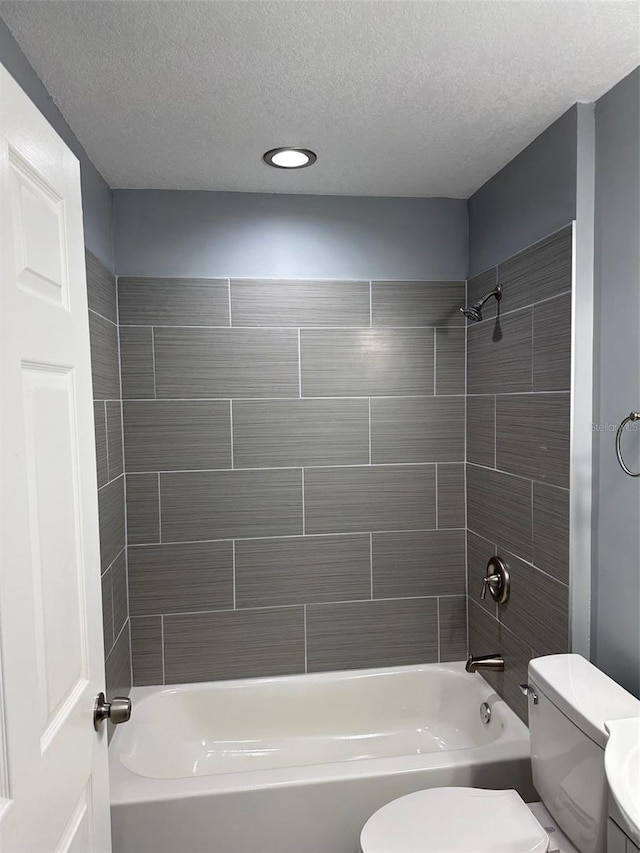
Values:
[(518, 382), (294, 456), (105, 364)]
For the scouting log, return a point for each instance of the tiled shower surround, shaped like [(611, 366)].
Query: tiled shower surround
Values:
[(518, 423), (105, 368), (294, 456), (295, 471)]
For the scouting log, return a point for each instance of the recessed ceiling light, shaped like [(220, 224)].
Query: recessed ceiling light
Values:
[(289, 158)]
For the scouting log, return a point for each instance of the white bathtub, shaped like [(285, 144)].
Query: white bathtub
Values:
[(298, 764)]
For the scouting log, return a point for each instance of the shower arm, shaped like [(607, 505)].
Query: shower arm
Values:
[(497, 292)]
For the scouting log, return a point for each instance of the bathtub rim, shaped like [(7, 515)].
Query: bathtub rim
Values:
[(128, 788)]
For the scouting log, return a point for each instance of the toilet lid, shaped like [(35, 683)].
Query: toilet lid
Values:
[(454, 820)]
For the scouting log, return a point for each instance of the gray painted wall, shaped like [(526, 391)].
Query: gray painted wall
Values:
[(96, 195), (253, 235), (616, 602), (532, 196)]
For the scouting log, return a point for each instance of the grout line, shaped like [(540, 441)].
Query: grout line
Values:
[(370, 304), (298, 605), (369, 430), (303, 506), (102, 316), (164, 677), (296, 467), (230, 312), (115, 480), (289, 399), (503, 314), (299, 535), (438, 622), (436, 490), (159, 512), (153, 357), (305, 638), (231, 432), (299, 367)]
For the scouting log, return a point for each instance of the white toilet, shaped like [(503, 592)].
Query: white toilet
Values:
[(569, 702)]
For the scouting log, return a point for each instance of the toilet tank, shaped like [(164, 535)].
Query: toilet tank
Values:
[(568, 738)]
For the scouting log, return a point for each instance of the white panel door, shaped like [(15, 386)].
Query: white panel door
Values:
[(54, 789)]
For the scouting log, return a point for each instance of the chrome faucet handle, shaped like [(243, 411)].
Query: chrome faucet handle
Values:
[(493, 582), (496, 580)]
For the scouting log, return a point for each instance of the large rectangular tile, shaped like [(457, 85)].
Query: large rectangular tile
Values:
[(120, 592), (487, 637), (101, 288), (478, 287), (234, 644), (417, 429), (136, 354), (499, 354), (499, 509), (417, 303), (416, 564), (551, 530), (450, 351), (114, 438), (481, 424), (537, 609), (302, 570), (107, 611), (143, 509), (146, 651), (231, 504), (552, 345), (168, 435), (450, 495), (180, 578), (539, 272), (479, 552), (353, 500), (452, 624), (532, 436), (118, 667), (375, 362), (282, 302), (105, 366), (111, 517), (273, 433), (173, 301), (226, 362), (371, 634), (100, 426)]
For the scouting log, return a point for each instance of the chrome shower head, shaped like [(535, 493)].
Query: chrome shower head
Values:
[(474, 312)]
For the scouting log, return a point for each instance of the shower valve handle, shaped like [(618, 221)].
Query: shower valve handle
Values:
[(494, 582)]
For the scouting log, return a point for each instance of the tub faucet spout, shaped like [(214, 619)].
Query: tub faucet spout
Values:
[(492, 662)]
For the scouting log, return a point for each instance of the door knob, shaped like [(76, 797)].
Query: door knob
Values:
[(118, 710)]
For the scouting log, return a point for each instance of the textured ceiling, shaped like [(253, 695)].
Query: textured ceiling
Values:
[(397, 98)]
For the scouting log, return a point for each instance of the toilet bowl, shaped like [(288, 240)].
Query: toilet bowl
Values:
[(569, 702)]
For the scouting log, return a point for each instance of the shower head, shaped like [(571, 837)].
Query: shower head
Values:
[(474, 312)]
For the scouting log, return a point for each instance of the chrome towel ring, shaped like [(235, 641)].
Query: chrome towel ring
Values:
[(632, 416)]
